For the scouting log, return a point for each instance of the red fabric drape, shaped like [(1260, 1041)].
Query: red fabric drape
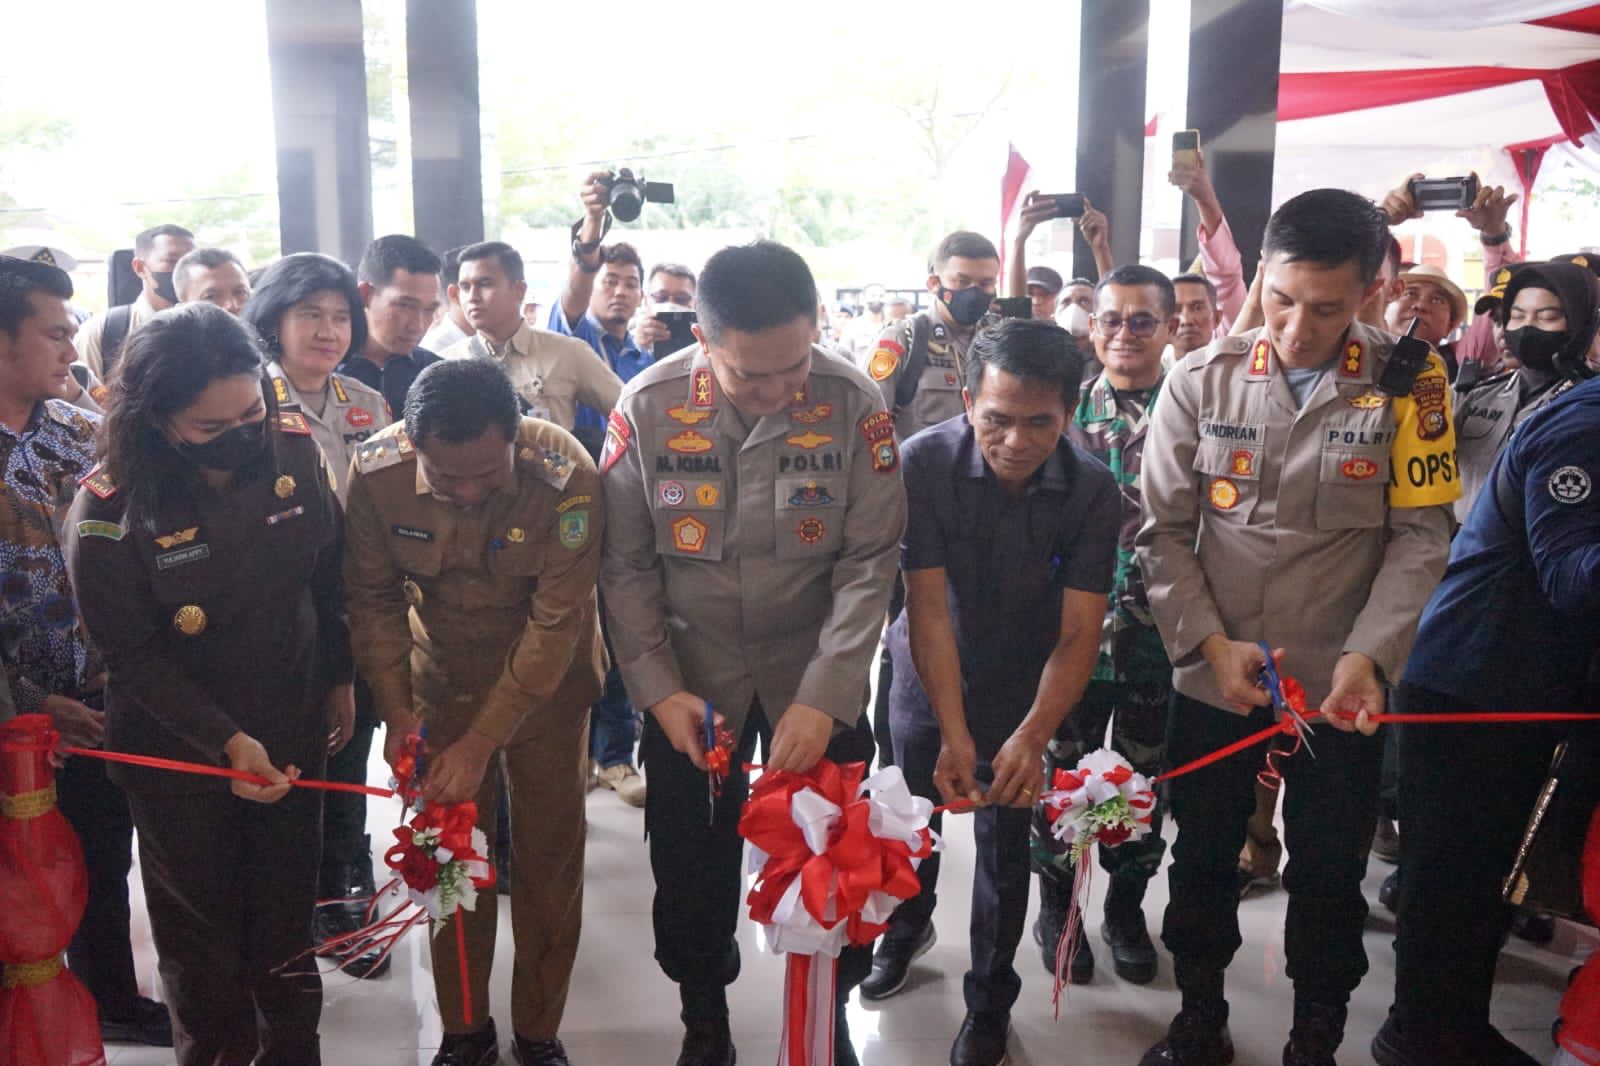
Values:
[(1574, 92), (1011, 185), (1527, 158)]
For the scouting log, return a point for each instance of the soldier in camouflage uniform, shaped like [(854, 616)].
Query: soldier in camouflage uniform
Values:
[(1132, 682)]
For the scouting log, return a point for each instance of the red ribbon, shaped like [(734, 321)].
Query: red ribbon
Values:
[(198, 769)]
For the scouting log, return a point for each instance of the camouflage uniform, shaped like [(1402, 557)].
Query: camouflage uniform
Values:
[(1132, 681)]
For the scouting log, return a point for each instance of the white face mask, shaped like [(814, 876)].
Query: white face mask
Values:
[(1073, 319)]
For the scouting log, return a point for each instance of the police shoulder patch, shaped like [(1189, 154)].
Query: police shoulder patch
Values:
[(294, 424)]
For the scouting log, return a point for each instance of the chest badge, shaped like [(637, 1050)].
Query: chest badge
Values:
[(706, 494), (182, 536), (811, 530), (687, 417), (885, 360), (811, 495), (516, 535), (1224, 494), (812, 415), (1359, 469), (690, 442), (1243, 463), (190, 620), (689, 535), (284, 487), (809, 440), (1367, 401)]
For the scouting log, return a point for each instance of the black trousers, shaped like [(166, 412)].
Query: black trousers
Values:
[(698, 861), (1000, 875), (1329, 806), (101, 954), (1465, 795), (230, 886), (344, 814)]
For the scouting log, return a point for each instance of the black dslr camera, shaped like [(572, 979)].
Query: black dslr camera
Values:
[(629, 194)]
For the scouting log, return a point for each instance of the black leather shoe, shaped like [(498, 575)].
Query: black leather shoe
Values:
[(149, 1024), (541, 1053), (1195, 1038), (891, 963), (1389, 893), (1533, 927), (1483, 1046), (707, 1042), (330, 921), (1047, 935), (481, 1048), (981, 1041), (1318, 1031), (1133, 956)]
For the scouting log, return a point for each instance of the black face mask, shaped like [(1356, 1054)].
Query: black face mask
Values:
[(874, 306), (1537, 347), (966, 306), (228, 451), (164, 287)]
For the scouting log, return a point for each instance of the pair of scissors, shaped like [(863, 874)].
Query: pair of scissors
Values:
[(1273, 683), (711, 780)]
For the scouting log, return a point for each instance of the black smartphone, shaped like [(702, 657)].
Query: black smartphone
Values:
[(1014, 306), (679, 323), (1186, 148), (1444, 194), (1068, 204)]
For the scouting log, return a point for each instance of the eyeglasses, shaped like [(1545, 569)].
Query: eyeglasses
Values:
[(1140, 325)]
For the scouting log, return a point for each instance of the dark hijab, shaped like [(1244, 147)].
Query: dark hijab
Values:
[(1579, 292)]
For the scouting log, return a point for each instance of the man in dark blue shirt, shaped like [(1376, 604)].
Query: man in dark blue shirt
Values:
[(1008, 557), (1514, 626), (399, 279)]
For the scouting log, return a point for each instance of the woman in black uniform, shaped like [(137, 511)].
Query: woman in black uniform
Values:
[(205, 555)]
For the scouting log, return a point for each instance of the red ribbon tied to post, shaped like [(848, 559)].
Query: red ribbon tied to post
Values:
[(833, 852)]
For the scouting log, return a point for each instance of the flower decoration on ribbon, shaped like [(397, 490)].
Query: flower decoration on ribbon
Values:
[(1103, 801), (833, 853)]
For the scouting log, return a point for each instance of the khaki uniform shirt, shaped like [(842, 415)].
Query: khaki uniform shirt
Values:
[(87, 342), (552, 373), (477, 617), (1486, 415), (750, 564), (1321, 529), (352, 412), (938, 395)]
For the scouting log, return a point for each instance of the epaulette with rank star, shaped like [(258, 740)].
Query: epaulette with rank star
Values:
[(551, 466), (99, 483), (293, 423), (382, 452)]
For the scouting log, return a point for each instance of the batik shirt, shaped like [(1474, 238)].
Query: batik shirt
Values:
[(1111, 424), (44, 647)]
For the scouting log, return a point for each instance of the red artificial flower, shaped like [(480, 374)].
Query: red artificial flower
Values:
[(1112, 835)]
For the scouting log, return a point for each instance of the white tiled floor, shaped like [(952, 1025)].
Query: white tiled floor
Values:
[(623, 1012)]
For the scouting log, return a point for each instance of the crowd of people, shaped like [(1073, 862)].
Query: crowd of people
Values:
[(562, 545)]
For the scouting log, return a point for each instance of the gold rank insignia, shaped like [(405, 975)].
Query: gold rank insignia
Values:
[(516, 535), (1224, 494), (190, 620), (1350, 367), (689, 441), (704, 394), (809, 440), (280, 389), (293, 422), (182, 536), (1258, 359), (810, 417), (412, 591), (1368, 401), (682, 414), (283, 488)]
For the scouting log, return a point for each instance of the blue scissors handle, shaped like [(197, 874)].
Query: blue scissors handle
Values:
[(1274, 683), (711, 727)]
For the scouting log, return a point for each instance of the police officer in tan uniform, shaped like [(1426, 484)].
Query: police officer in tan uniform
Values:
[(351, 412), (1289, 500), (917, 361), (474, 544), (755, 507)]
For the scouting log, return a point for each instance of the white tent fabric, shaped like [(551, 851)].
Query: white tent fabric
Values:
[(1315, 39), (1456, 15)]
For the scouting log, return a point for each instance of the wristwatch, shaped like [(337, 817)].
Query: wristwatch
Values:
[(1490, 242), (582, 251)]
